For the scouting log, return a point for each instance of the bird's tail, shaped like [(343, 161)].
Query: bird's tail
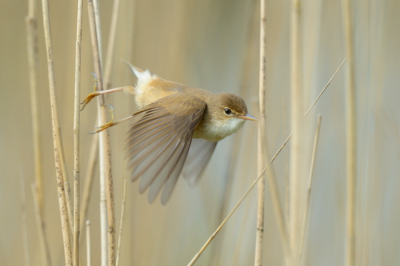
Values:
[(144, 78)]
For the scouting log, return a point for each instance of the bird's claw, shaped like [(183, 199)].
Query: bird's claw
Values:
[(103, 127), (111, 110), (109, 124), (89, 98)]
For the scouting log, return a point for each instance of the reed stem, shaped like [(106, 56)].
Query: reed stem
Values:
[(105, 150), (261, 153), (57, 142), (351, 149), (76, 229)]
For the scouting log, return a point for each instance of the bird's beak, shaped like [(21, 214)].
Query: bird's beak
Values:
[(247, 116)]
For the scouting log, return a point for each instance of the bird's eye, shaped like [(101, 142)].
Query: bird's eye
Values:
[(227, 111)]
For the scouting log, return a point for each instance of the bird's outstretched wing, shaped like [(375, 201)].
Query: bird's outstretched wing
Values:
[(199, 155), (158, 143)]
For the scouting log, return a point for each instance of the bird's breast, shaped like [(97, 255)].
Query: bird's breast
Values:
[(216, 130)]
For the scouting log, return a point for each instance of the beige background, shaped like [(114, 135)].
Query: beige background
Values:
[(206, 44)]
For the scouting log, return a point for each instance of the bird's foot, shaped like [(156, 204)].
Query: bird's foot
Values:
[(109, 124), (89, 98), (91, 95), (103, 127)]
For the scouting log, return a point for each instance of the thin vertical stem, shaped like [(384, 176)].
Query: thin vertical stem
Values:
[(24, 222), (96, 9), (310, 179), (121, 223), (261, 153), (296, 119), (44, 247), (351, 159), (87, 187), (88, 245), (33, 63), (76, 133), (111, 45), (286, 167), (56, 138), (105, 150), (68, 199)]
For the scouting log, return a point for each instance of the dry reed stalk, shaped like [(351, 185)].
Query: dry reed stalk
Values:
[(121, 223), (96, 9), (105, 150), (44, 247), (67, 187), (296, 170), (88, 245), (262, 136), (310, 179), (95, 143), (56, 138), (326, 86), (351, 156), (24, 225), (76, 230), (87, 187), (69, 204), (33, 63), (286, 167), (198, 254), (111, 45)]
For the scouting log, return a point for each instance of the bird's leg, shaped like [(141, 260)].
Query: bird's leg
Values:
[(112, 122), (97, 93)]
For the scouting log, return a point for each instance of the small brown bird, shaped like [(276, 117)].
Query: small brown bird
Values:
[(176, 131)]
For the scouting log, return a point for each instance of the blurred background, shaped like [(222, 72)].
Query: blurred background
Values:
[(212, 45)]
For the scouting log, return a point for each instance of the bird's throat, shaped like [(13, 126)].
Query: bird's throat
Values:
[(216, 130)]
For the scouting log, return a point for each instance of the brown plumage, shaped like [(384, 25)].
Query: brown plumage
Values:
[(176, 131)]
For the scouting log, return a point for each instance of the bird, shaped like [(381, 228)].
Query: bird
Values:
[(175, 131)]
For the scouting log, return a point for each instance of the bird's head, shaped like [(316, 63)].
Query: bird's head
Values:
[(227, 114), (229, 106)]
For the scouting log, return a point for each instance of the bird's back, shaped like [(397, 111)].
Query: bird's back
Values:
[(150, 88)]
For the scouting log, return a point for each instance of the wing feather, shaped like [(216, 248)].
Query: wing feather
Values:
[(158, 143), (198, 157)]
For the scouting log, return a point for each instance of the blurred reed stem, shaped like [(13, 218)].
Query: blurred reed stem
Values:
[(121, 223), (24, 226), (310, 179), (351, 158), (87, 187), (44, 247), (33, 64), (57, 142), (69, 204), (105, 150), (111, 45), (236, 141), (88, 245), (286, 166), (76, 228), (296, 152)]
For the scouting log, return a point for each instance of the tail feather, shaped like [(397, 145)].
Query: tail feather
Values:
[(143, 76), (137, 71)]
